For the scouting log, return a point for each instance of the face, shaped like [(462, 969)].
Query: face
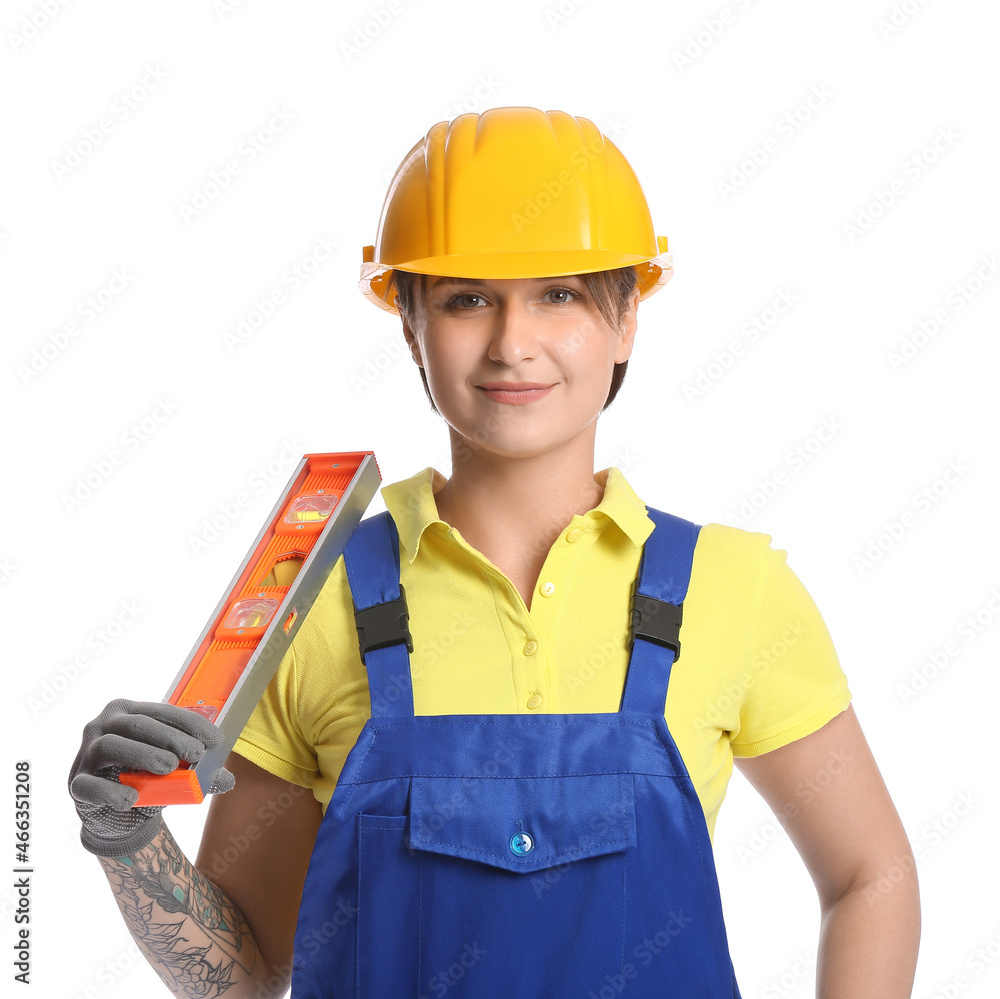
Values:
[(517, 366)]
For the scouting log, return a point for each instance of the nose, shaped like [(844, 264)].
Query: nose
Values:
[(515, 333)]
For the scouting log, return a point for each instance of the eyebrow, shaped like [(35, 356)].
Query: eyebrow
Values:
[(443, 281)]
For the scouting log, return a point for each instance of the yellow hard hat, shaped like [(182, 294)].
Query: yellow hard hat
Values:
[(514, 192)]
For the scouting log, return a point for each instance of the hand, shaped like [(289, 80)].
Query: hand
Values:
[(134, 735)]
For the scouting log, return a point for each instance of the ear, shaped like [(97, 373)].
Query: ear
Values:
[(630, 323), (411, 342)]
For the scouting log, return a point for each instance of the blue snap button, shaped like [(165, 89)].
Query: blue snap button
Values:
[(521, 843)]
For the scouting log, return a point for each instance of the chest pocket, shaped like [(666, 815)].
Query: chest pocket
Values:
[(523, 824)]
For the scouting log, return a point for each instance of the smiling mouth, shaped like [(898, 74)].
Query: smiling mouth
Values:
[(513, 386), (515, 393)]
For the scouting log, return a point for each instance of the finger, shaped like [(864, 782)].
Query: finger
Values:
[(111, 749), (94, 790), (186, 719), (143, 729)]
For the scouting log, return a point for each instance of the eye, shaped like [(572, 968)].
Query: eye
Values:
[(562, 291), (464, 294), (568, 296)]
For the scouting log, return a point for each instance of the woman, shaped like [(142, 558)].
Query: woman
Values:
[(514, 784)]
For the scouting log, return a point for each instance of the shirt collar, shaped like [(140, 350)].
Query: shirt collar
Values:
[(411, 505)]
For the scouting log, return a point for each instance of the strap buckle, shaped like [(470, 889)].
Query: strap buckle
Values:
[(384, 624), (655, 620)]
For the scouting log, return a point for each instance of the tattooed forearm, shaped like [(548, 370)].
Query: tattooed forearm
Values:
[(190, 932)]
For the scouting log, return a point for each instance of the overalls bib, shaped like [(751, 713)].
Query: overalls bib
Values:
[(515, 856)]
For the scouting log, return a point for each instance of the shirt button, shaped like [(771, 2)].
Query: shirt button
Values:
[(530, 648), (574, 535), (534, 701), (547, 589)]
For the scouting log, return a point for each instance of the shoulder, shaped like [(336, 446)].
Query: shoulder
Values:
[(741, 576), (731, 552), (729, 572)]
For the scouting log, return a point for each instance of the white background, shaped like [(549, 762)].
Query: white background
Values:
[(326, 371)]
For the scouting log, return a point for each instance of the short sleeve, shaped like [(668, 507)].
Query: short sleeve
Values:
[(271, 738), (794, 682)]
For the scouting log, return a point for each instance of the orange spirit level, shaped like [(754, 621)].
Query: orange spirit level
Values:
[(246, 637)]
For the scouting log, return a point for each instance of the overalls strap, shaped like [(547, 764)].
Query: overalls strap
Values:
[(372, 562), (657, 599)]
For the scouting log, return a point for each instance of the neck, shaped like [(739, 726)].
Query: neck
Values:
[(526, 498)]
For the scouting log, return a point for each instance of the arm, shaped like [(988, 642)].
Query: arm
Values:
[(226, 923), (191, 933), (828, 794), (273, 828)]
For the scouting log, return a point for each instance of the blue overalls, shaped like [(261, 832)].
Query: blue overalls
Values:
[(514, 856)]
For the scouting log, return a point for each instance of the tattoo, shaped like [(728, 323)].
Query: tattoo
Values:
[(165, 876)]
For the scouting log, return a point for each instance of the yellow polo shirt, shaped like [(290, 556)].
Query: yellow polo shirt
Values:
[(758, 668)]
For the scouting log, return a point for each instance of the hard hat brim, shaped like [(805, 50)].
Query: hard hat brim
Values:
[(653, 273)]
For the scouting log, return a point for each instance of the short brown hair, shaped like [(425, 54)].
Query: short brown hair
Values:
[(611, 290)]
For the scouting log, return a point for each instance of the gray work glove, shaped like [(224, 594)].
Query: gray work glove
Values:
[(134, 735)]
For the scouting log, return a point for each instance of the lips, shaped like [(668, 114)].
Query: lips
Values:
[(515, 393), (513, 386)]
